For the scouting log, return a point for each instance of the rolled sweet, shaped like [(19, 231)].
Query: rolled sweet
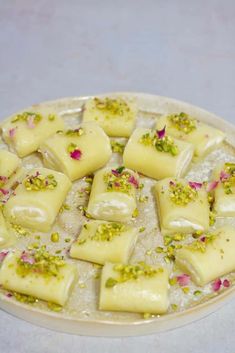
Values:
[(40, 274), (209, 257), (136, 288), (101, 242), (37, 200), (113, 195), (115, 115), (223, 179), (77, 152), (157, 155), (205, 138), (182, 206), (25, 131), (9, 162)]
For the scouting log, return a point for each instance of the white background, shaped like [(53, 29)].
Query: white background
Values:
[(183, 49)]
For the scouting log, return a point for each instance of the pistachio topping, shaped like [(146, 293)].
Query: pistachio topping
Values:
[(162, 144), (201, 243), (55, 237), (181, 194), (39, 261), (23, 298), (54, 307), (75, 132), (112, 107), (26, 117), (182, 122), (105, 232), (117, 147), (39, 182), (132, 272), (20, 230), (51, 117), (227, 178), (120, 180)]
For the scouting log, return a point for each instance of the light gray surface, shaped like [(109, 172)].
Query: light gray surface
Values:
[(182, 49)]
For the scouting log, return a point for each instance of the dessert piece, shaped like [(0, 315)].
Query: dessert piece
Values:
[(157, 155), (205, 138), (77, 152), (101, 241), (208, 257), (182, 206), (25, 131), (37, 200), (38, 274), (134, 288), (115, 115), (224, 190), (113, 195)]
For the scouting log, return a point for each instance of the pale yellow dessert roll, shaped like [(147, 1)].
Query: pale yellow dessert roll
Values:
[(224, 192), (113, 195), (50, 280), (77, 152), (209, 257), (205, 138), (25, 131), (182, 206), (115, 115), (101, 242), (134, 288), (172, 158), (38, 199)]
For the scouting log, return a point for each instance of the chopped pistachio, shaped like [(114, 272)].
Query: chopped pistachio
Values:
[(54, 307), (40, 182), (112, 107), (64, 207), (183, 122), (119, 180), (197, 292), (174, 307), (135, 213), (25, 116), (165, 144), (51, 117), (117, 147), (20, 230), (141, 229), (23, 298), (55, 237), (149, 252), (67, 240), (182, 194), (111, 282), (76, 132), (172, 281), (147, 316), (106, 232), (143, 199), (185, 290)]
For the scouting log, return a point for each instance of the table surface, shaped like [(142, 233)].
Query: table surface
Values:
[(177, 48)]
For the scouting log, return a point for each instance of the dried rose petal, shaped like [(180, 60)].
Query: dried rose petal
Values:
[(226, 283), (195, 185), (172, 183), (117, 184), (8, 295), (115, 172), (27, 258), (133, 181), (76, 154), (3, 179), (30, 122), (161, 133), (216, 285), (203, 239), (212, 185), (183, 279), (12, 132), (223, 175), (3, 254), (4, 191)]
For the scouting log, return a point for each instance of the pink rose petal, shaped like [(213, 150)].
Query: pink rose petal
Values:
[(4, 191), (115, 172), (12, 132), (212, 185), (172, 183), (133, 181), (183, 279), (30, 122), (3, 179), (203, 239), (27, 258), (161, 133), (223, 175), (3, 254), (117, 184), (226, 283), (76, 154), (216, 285), (8, 295), (195, 185)]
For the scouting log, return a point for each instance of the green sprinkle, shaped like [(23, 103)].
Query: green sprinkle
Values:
[(55, 237), (182, 122)]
